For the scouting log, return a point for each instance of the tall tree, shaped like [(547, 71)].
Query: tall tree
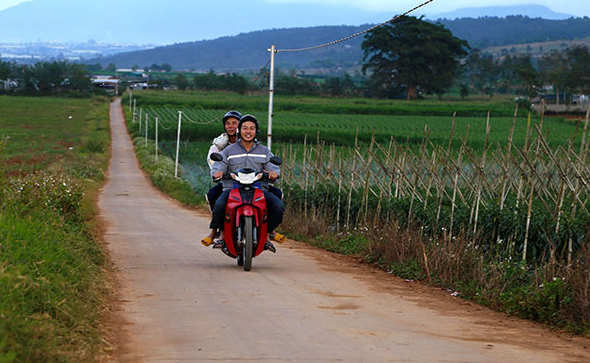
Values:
[(5, 70), (578, 76), (553, 70), (181, 82), (78, 78), (482, 71), (413, 54), (520, 72)]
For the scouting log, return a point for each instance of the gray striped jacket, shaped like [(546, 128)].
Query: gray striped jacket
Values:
[(236, 157)]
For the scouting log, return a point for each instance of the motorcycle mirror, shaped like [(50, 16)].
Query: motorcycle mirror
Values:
[(216, 157), (276, 160)]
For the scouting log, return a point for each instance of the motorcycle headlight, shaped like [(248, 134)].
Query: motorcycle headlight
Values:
[(248, 178)]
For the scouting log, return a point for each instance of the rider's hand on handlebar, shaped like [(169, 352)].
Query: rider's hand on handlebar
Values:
[(272, 175)]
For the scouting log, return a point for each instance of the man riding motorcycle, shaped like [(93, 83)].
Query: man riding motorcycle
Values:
[(247, 152), (230, 124)]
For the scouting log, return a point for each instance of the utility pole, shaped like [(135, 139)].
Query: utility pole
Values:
[(271, 89)]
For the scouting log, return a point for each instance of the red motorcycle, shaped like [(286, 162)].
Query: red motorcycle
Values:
[(245, 223)]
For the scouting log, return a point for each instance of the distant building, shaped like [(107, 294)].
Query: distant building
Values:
[(108, 83), (138, 86)]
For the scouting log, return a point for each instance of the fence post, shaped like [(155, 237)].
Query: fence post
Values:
[(146, 128), (156, 139), (480, 178), (140, 115), (177, 144), (458, 170), (134, 110)]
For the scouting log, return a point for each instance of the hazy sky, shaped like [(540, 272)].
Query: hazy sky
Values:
[(574, 7)]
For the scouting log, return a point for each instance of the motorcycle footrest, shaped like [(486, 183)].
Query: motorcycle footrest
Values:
[(270, 247)]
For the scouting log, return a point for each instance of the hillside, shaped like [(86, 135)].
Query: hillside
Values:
[(495, 31), (249, 50)]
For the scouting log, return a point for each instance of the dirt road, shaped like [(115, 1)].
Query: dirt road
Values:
[(182, 302)]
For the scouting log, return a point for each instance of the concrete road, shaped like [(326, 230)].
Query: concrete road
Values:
[(182, 302)]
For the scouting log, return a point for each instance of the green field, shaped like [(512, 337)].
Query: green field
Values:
[(499, 106), (343, 129), (52, 279), (43, 130)]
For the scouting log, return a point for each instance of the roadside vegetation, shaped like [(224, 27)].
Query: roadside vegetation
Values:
[(53, 159), (162, 170)]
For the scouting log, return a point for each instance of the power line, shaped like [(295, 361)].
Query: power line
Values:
[(357, 34), (237, 101)]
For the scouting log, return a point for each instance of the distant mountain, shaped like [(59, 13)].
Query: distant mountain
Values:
[(248, 51), (164, 22), (531, 11), (495, 31)]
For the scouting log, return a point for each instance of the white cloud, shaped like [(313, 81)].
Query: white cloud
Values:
[(8, 3)]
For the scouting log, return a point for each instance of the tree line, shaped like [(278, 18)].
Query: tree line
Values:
[(287, 82), (44, 78), (566, 72)]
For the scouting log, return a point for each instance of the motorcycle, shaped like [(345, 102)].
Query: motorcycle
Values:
[(245, 224)]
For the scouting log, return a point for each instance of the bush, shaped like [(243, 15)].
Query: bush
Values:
[(43, 191)]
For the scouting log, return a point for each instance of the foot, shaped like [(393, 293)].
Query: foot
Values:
[(270, 247), (219, 244), (207, 241), (277, 237)]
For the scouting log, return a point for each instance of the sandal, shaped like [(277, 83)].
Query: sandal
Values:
[(207, 241), (278, 237)]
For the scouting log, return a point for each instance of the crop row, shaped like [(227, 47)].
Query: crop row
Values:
[(296, 127), (358, 106)]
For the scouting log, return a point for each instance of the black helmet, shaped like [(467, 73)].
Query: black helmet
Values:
[(248, 118), (230, 114)]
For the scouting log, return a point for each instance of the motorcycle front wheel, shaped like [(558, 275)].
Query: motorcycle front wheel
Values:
[(249, 243)]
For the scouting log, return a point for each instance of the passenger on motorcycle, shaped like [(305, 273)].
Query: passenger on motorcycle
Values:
[(247, 152), (230, 124)]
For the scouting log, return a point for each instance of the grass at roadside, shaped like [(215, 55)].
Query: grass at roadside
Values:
[(162, 174), (52, 279)]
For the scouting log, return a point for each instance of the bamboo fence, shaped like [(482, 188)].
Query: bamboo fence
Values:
[(556, 180)]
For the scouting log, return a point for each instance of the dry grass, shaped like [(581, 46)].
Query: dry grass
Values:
[(549, 292)]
